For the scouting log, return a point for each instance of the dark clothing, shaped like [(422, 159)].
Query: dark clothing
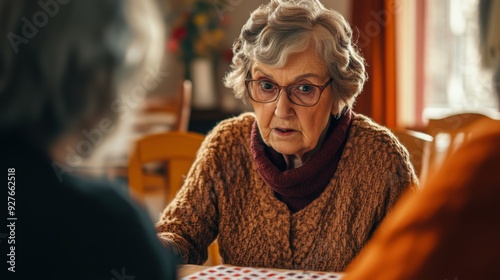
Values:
[(72, 228)]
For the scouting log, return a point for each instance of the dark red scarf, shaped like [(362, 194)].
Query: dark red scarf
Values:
[(298, 187)]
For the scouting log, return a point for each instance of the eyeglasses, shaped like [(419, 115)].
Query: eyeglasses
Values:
[(265, 91)]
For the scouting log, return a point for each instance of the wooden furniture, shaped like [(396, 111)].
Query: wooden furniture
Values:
[(171, 155), (160, 114), (204, 120), (449, 133), (417, 144), (176, 150)]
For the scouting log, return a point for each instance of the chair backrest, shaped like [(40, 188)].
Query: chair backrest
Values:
[(449, 133), (417, 144), (176, 150), (170, 113)]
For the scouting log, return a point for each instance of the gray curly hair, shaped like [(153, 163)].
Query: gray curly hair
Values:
[(280, 28)]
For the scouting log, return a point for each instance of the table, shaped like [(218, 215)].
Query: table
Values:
[(186, 272)]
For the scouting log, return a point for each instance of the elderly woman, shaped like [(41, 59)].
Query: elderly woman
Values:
[(62, 64), (449, 230), (303, 182)]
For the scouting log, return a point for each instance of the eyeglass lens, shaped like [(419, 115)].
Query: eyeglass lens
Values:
[(266, 91)]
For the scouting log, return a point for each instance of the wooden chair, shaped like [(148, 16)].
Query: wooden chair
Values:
[(418, 145), (449, 133), (176, 151), (160, 114)]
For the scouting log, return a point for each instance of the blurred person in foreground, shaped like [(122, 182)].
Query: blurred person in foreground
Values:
[(450, 230), (62, 64), (303, 182)]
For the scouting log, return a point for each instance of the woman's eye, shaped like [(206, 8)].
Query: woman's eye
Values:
[(267, 86), (304, 88)]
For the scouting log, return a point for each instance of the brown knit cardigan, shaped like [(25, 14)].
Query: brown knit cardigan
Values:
[(224, 197)]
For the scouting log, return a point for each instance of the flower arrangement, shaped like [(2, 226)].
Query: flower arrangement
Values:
[(196, 31)]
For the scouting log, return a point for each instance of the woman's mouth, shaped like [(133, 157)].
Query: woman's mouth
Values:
[(284, 131)]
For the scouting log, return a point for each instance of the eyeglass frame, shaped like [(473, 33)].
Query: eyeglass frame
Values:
[(280, 87)]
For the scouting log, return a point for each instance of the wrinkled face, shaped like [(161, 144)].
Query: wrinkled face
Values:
[(290, 129)]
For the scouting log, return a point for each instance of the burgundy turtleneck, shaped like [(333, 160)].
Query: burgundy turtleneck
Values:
[(298, 187)]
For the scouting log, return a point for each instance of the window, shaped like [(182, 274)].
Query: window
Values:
[(454, 80)]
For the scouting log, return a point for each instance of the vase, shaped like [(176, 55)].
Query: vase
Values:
[(202, 78)]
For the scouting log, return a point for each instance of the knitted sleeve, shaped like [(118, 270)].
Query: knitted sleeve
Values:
[(191, 220)]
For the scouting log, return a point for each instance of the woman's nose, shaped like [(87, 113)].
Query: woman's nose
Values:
[(284, 107)]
